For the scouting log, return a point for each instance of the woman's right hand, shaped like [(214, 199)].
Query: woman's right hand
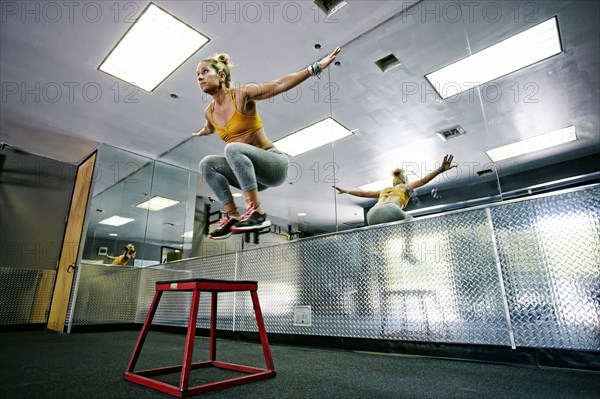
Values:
[(202, 132)]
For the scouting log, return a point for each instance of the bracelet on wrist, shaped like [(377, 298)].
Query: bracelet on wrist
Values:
[(441, 170), (314, 69), (317, 68)]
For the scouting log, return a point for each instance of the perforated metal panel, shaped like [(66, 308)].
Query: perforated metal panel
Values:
[(529, 267)]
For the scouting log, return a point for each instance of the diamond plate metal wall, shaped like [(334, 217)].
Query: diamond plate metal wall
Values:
[(431, 280), (105, 295), (24, 295), (174, 306), (550, 252), (527, 269)]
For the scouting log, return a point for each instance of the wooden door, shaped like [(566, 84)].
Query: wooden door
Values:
[(70, 246)]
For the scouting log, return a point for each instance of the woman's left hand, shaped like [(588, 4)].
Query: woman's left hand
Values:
[(324, 63), (447, 162)]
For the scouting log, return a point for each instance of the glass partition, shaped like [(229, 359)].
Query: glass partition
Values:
[(120, 182), (124, 184)]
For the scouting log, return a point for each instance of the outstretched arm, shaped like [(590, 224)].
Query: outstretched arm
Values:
[(446, 165), (358, 193), (271, 89)]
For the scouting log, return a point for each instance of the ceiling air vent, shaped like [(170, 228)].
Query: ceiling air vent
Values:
[(451, 133), (329, 7), (388, 62)]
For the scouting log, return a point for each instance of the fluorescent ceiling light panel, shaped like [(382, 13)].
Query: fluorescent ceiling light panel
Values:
[(153, 48), (526, 48), (116, 221), (387, 182), (311, 137), (157, 203), (377, 185), (533, 144)]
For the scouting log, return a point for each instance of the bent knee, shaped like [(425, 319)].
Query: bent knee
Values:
[(234, 148), (209, 161)]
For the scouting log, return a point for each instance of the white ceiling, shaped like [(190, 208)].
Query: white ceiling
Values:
[(49, 57)]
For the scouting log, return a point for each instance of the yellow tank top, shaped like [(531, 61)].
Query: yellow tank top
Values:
[(238, 126), (388, 192)]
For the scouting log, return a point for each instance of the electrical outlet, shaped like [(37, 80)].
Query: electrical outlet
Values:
[(302, 316)]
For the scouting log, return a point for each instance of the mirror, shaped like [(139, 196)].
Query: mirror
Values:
[(123, 183), (385, 96)]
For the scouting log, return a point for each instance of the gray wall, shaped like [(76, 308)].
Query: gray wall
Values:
[(35, 194)]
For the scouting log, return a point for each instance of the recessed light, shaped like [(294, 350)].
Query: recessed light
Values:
[(116, 221), (533, 144), (311, 137), (519, 51), (152, 49), (387, 182), (157, 203)]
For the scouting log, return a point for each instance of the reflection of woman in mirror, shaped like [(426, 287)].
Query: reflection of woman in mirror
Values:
[(251, 162), (393, 200), (123, 259)]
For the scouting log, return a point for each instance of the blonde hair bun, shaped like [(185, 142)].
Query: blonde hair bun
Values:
[(397, 172), (224, 58), (399, 176)]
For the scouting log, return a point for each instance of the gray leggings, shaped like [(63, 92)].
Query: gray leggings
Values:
[(244, 167), (385, 213)]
